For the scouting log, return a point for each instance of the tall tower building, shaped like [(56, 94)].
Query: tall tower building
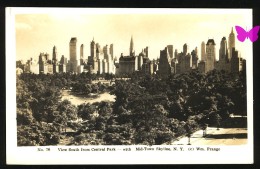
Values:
[(140, 60), (203, 51), (99, 55), (210, 55), (132, 52), (82, 51), (223, 63), (55, 60), (54, 55), (63, 60), (185, 49), (231, 43), (92, 49), (170, 50), (194, 55), (81, 54), (223, 51), (42, 61), (63, 63), (105, 51), (95, 55), (235, 61), (111, 50), (176, 54), (164, 65), (196, 50), (73, 55), (146, 52)]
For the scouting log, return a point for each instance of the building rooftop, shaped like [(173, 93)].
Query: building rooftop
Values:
[(211, 41), (127, 58), (74, 39)]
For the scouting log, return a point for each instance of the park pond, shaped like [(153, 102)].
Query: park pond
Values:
[(80, 99)]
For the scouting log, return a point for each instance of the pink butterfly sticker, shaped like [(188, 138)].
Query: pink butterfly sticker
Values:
[(243, 34)]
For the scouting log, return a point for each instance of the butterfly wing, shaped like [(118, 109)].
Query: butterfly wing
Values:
[(253, 33), (241, 33)]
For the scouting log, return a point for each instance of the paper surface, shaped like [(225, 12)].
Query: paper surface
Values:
[(155, 28)]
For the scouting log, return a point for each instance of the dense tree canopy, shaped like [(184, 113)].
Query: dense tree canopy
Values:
[(147, 109)]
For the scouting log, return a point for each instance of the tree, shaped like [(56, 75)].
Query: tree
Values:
[(23, 100), (85, 111), (37, 134), (24, 117), (65, 112), (190, 127), (150, 120), (216, 119)]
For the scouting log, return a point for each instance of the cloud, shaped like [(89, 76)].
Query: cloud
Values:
[(23, 26)]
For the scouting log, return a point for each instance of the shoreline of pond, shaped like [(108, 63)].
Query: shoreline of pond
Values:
[(78, 99)]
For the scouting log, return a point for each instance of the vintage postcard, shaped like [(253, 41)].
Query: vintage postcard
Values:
[(129, 86)]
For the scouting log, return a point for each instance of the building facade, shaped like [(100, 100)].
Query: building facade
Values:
[(164, 66), (223, 63), (127, 65), (231, 43), (195, 58), (235, 62), (210, 55), (170, 50), (73, 62), (203, 51), (101, 60), (131, 49), (131, 63)]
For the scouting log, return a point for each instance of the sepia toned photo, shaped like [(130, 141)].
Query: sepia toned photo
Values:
[(126, 81)]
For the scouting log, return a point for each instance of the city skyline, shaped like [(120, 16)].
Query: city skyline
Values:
[(38, 32)]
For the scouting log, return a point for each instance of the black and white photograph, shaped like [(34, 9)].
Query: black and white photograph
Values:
[(169, 83)]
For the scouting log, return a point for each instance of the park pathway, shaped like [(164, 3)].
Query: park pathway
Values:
[(223, 136)]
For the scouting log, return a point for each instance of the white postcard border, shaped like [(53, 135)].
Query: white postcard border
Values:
[(51, 155)]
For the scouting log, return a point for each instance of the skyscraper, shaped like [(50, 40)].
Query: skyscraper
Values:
[(101, 59), (184, 63), (111, 50), (105, 51), (231, 43), (73, 55), (203, 51), (54, 60), (194, 57), (95, 55), (210, 55), (45, 65), (140, 60), (176, 54), (223, 62), (54, 55), (92, 49), (146, 52), (164, 65), (196, 50), (235, 61), (223, 51), (132, 52), (63, 63), (81, 51), (81, 54), (170, 50), (185, 49)]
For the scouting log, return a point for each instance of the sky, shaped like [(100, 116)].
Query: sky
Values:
[(40, 30)]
